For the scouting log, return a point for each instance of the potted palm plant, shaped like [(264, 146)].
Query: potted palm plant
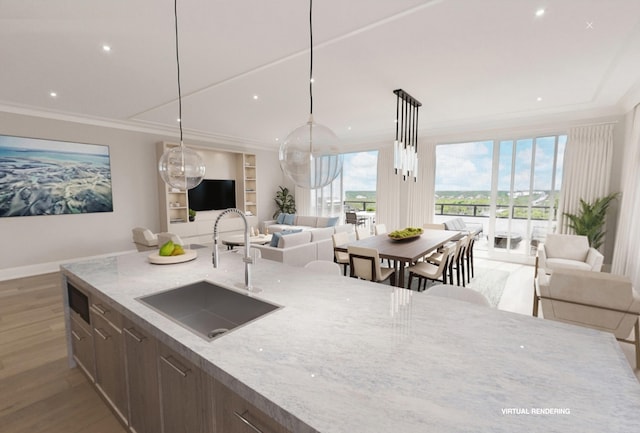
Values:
[(590, 219), (285, 202)]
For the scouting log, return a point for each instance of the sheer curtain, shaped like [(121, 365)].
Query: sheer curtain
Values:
[(587, 168), (405, 203), (625, 254)]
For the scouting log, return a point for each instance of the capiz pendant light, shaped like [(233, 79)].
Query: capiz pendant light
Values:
[(180, 167), (310, 155)]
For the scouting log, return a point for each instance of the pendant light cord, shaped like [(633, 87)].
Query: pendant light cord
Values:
[(175, 15), (311, 61)]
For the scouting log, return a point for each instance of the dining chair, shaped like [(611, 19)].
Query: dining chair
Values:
[(323, 267), (380, 229), (340, 257), (468, 257), (365, 264), (362, 233), (433, 226), (459, 293), (428, 271), (144, 239)]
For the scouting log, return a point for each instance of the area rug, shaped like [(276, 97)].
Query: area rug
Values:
[(489, 282)]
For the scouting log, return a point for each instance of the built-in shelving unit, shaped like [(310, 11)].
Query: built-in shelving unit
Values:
[(250, 183), (174, 203)]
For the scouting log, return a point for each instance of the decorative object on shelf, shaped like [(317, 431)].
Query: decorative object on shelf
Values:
[(285, 202), (310, 155), (405, 146), (590, 219), (180, 167), (192, 215)]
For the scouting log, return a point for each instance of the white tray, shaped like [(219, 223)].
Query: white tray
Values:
[(157, 259)]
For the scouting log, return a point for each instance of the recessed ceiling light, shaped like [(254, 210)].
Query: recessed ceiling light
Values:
[(539, 12), (539, 98), (255, 97), (53, 94), (348, 128), (277, 139), (106, 48)]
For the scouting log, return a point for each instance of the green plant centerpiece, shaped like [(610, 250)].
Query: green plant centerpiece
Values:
[(590, 219), (407, 233), (192, 215), (285, 202)]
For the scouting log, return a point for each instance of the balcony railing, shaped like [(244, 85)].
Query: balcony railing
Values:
[(502, 211), (359, 205)]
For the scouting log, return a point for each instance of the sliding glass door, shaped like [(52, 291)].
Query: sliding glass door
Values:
[(517, 206)]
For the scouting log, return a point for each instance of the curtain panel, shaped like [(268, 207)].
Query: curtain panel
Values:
[(587, 169), (406, 203), (625, 254)]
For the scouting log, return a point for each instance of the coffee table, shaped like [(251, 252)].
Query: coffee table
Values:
[(232, 241)]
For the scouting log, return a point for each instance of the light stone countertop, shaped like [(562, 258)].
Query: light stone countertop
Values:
[(350, 356)]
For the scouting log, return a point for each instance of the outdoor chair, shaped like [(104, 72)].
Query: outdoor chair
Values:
[(353, 218)]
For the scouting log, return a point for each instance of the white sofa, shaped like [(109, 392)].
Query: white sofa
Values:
[(568, 252), (300, 248), (300, 222)]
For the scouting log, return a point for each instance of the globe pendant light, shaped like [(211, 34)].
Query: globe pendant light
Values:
[(180, 167), (310, 155)]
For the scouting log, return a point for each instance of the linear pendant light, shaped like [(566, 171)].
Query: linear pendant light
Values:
[(405, 146), (310, 155), (180, 167)]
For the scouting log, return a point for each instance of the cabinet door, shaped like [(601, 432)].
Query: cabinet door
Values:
[(141, 355), (110, 371), (82, 347), (236, 415), (183, 398)]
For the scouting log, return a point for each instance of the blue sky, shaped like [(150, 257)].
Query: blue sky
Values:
[(468, 166), (359, 171)]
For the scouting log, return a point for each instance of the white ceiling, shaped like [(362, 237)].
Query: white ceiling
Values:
[(469, 62)]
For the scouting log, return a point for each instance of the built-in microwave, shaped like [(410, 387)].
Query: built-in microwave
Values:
[(78, 302)]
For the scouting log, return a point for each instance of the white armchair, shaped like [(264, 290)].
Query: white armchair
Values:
[(144, 239), (568, 251), (596, 300)]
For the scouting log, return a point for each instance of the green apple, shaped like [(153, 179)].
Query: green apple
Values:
[(167, 248)]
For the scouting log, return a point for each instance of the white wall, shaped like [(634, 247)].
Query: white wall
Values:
[(36, 244)]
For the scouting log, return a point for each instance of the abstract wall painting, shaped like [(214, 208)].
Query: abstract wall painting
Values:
[(46, 177)]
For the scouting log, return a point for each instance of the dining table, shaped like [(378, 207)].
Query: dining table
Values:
[(404, 251)]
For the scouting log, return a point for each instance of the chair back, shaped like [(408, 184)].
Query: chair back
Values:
[(362, 233), (323, 267), (572, 247), (351, 218), (433, 226), (144, 239), (340, 238), (593, 299), (380, 229), (459, 293), (364, 263)]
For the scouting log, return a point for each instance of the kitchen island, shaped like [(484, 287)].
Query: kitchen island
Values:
[(350, 356)]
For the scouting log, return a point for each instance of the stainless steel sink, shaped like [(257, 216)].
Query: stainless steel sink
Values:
[(207, 309)]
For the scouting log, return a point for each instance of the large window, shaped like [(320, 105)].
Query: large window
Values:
[(510, 186), (353, 189)]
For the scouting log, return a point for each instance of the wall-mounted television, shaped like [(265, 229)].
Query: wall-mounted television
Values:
[(213, 194)]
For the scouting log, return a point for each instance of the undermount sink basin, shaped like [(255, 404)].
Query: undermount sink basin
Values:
[(207, 309)]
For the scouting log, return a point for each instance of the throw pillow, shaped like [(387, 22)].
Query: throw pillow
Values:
[(331, 222), (275, 238), (290, 219), (280, 219)]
